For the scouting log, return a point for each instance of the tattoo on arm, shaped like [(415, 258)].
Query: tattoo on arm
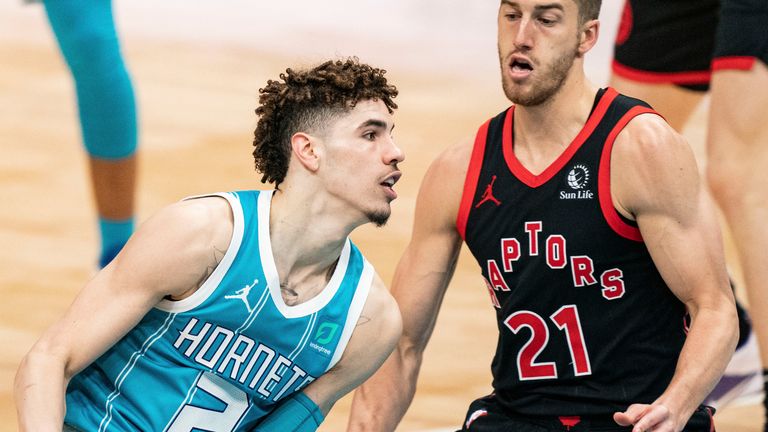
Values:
[(218, 255), (363, 320)]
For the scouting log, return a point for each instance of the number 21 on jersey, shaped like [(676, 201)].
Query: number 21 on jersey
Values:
[(567, 320)]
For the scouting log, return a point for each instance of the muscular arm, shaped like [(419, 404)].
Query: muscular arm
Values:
[(420, 281), (655, 180), (378, 329), (168, 256)]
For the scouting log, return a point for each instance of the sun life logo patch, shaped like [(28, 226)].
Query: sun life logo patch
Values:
[(578, 177), (577, 180)]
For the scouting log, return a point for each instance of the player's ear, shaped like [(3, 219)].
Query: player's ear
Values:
[(588, 36), (305, 148)]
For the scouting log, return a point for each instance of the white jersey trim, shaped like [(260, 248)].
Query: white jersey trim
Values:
[(355, 309), (273, 279), (213, 281)]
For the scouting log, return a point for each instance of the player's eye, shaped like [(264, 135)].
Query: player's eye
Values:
[(547, 21)]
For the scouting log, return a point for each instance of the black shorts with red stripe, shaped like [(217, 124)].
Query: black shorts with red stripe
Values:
[(486, 415), (681, 41), (742, 35)]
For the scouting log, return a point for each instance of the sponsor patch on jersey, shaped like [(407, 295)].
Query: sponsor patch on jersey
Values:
[(577, 181), (325, 333)]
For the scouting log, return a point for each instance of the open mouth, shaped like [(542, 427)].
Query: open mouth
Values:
[(391, 180), (389, 183), (521, 66)]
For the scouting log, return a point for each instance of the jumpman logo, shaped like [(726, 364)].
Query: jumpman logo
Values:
[(488, 194), (242, 294)]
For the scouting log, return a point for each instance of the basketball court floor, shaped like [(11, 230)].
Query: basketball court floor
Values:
[(197, 68)]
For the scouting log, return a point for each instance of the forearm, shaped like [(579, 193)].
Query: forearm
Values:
[(708, 348), (381, 402), (39, 392)]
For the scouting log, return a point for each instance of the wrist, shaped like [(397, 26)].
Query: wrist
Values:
[(679, 410)]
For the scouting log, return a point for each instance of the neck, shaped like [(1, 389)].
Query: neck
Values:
[(555, 122), (307, 234)]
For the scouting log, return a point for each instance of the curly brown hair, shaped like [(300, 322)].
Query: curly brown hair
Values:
[(306, 101)]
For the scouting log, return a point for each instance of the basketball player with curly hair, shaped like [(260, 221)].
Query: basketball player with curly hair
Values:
[(247, 310)]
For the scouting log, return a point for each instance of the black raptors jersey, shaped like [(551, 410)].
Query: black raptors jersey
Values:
[(586, 324)]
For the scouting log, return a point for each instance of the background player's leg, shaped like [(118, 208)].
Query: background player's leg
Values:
[(114, 185), (675, 103), (87, 38), (737, 148)]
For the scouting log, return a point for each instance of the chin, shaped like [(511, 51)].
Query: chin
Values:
[(530, 96), (379, 217)]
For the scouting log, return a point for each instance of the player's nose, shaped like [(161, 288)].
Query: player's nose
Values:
[(393, 153)]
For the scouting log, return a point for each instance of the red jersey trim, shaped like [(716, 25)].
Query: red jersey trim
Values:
[(691, 77), (604, 179), (733, 63), (473, 175), (534, 181)]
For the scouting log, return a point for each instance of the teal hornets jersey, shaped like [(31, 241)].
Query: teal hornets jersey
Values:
[(221, 359)]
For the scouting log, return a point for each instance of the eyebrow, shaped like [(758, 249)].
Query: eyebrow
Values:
[(537, 7), (549, 6), (375, 123)]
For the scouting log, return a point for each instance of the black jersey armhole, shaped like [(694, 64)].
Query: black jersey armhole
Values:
[(626, 220), (598, 96)]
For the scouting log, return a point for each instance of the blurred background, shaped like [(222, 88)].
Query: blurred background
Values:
[(196, 68)]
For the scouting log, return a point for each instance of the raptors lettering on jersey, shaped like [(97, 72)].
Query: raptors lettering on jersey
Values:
[(555, 255)]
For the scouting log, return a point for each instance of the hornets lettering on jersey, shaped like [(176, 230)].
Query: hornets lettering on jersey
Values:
[(222, 358), (236, 359)]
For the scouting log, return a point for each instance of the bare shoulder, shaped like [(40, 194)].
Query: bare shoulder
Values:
[(193, 213), (210, 215), (185, 239), (381, 314), (646, 137), (198, 223), (454, 160), (652, 166), (378, 328), (443, 185)]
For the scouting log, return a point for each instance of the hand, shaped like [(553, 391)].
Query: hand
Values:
[(655, 418)]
